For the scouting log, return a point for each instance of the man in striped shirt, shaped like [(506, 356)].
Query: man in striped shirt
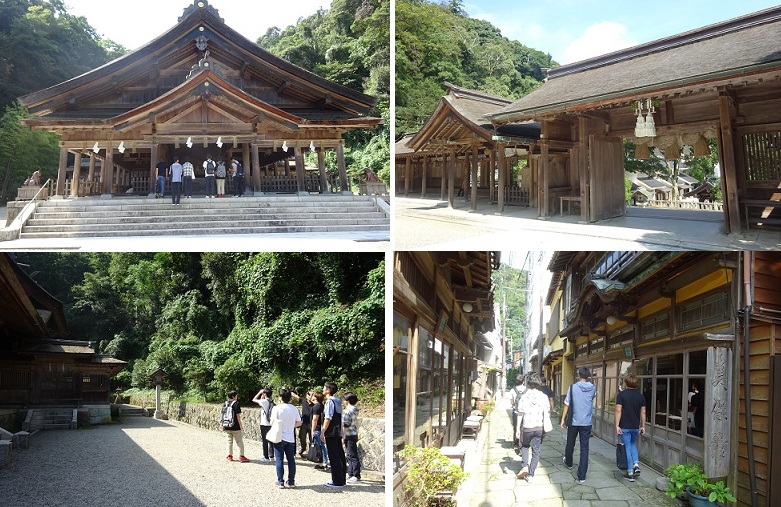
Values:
[(187, 177)]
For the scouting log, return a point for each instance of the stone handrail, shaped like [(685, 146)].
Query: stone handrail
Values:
[(12, 231)]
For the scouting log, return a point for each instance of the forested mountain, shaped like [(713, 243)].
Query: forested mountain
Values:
[(348, 44), (217, 321), (437, 42)]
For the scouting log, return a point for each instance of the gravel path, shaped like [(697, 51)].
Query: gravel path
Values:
[(143, 461)]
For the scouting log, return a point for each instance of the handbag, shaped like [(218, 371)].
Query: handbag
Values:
[(621, 462), (315, 453), (547, 425), (568, 418), (274, 434)]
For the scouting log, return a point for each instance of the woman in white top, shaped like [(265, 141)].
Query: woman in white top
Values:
[(288, 417), (534, 410)]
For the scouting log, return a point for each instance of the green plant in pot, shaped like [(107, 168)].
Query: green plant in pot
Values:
[(689, 478), (430, 474)]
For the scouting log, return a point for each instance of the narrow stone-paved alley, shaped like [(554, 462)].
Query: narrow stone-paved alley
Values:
[(492, 464)]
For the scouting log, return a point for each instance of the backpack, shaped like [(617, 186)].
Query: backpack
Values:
[(239, 169), (227, 416), (221, 170), (209, 167)]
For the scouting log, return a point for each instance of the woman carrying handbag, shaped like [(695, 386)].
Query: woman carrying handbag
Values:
[(534, 411)]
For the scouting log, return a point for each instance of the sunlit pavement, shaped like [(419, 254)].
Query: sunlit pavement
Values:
[(492, 465), (422, 224)]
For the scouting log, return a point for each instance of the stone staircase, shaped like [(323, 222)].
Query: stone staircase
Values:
[(142, 216), (50, 419), (132, 411)]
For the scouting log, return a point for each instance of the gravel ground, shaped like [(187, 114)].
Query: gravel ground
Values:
[(143, 461)]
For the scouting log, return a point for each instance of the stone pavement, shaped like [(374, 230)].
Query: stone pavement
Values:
[(144, 461), (492, 465), (423, 224)]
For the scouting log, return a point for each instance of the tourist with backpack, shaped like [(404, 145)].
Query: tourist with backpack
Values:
[(263, 398), (220, 174), (238, 178), (288, 418), (332, 435), (230, 422), (209, 168)]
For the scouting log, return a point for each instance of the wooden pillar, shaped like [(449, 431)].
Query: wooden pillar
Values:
[(76, 174), (502, 177), (492, 175), (255, 165), (321, 168), (299, 156), (424, 176), (728, 165), (451, 177), (474, 181), (343, 182), (407, 175), (108, 170), (465, 176), (544, 166), (91, 174), (62, 171), (247, 163), (585, 184), (153, 159), (443, 171)]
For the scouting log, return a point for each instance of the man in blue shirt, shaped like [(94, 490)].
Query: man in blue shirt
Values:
[(579, 400), (332, 435)]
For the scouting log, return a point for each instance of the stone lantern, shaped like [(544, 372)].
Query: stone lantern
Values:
[(157, 376)]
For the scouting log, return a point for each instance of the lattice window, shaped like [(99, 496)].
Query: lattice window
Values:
[(657, 326), (703, 312), (620, 339), (581, 350), (597, 346), (763, 156), (15, 379)]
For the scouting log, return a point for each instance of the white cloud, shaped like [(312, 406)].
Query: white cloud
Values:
[(598, 39)]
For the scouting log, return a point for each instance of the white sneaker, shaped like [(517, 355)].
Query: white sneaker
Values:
[(352, 479), (263, 460), (530, 479)]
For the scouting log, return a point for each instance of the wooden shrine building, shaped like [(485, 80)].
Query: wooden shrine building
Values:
[(722, 81), (39, 363), (200, 88), (457, 149)]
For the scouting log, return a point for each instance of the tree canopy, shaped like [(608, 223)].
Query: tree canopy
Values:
[(221, 321), (437, 42)]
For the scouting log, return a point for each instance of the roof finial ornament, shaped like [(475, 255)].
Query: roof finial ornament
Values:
[(200, 5)]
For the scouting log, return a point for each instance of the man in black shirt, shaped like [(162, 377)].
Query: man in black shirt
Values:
[(547, 391), (630, 423), (162, 168)]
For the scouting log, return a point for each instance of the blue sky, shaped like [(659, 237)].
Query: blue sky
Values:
[(143, 20), (573, 30)]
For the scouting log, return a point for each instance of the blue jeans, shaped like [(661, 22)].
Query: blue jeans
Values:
[(161, 184), (286, 450), (584, 432), (322, 447), (629, 438)]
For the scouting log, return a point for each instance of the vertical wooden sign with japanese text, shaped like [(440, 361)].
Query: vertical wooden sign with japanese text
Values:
[(718, 391)]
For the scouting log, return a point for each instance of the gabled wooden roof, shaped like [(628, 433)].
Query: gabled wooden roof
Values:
[(735, 51), (163, 65)]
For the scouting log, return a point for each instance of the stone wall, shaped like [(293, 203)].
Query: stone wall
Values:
[(371, 444), (9, 420)]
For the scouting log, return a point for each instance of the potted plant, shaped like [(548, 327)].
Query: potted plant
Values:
[(689, 478), (431, 478)]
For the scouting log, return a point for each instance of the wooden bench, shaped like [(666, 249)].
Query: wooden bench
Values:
[(455, 454), (762, 204), (472, 426), (569, 199)]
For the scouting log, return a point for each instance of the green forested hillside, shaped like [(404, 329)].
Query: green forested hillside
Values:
[(437, 42), (348, 44), (218, 321)]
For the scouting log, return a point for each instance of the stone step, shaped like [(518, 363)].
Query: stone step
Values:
[(205, 231), (210, 204), (287, 200), (48, 219), (130, 224)]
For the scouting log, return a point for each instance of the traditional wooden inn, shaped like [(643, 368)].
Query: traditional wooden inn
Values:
[(199, 89), (684, 322), (442, 308), (720, 81), (40, 365)]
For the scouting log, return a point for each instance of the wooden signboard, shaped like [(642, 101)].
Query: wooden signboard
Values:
[(718, 389)]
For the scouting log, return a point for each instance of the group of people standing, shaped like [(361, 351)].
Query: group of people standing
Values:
[(215, 173), (533, 403), (323, 421)]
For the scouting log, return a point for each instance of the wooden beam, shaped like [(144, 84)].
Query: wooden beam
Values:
[(62, 171)]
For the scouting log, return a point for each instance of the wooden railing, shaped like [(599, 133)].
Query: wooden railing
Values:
[(694, 205)]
